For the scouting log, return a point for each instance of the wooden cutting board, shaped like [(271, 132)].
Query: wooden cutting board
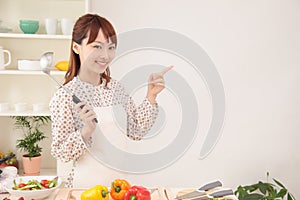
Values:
[(69, 194), (74, 194), (182, 192)]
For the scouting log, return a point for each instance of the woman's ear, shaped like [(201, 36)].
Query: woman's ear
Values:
[(75, 47)]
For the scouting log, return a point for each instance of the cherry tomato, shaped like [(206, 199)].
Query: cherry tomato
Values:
[(21, 185), (44, 182)]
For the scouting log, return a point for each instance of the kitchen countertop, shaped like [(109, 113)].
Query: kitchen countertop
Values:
[(74, 194)]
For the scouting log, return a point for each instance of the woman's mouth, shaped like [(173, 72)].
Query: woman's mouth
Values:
[(102, 64)]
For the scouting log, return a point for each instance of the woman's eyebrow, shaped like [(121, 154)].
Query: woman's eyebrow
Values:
[(104, 42)]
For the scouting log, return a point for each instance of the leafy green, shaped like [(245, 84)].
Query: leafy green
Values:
[(263, 191)]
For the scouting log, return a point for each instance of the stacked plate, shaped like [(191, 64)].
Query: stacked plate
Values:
[(4, 29)]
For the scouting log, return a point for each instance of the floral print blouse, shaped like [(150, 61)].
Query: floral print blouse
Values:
[(68, 144)]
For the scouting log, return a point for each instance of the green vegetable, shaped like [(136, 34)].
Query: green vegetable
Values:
[(27, 187), (52, 183), (264, 191)]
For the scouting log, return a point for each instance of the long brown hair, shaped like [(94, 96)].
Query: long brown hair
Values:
[(89, 24)]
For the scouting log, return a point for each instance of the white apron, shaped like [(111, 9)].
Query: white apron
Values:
[(90, 170)]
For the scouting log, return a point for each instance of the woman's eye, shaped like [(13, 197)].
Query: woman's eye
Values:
[(112, 48), (97, 47)]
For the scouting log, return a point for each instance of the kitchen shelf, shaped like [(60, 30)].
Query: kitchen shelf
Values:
[(30, 72), (34, 36), (33, 86), (24, 113)]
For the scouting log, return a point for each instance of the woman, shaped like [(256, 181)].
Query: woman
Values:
[(74, 128)]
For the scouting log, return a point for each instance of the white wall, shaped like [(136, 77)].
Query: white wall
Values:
[(255, 47)]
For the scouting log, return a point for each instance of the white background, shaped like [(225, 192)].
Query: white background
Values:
[(255, 47)]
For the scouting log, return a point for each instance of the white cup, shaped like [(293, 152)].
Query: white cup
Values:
[(66, 26), (20, 107), (51, 25), (2, 62), (39, 107), (4, 106)]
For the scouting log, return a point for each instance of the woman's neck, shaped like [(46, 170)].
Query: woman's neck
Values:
[(91, 78)]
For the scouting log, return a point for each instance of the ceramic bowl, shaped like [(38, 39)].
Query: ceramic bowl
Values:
[(9, 172), (32, 194), (29, 64), (29, 26)]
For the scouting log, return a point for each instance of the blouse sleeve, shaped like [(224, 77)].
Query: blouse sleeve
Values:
[(140, 118), (67, 142)]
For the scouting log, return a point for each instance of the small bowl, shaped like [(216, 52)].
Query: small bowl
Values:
[(9, 172), (32, 194), (20, 107), (29, 26), (29, 65)]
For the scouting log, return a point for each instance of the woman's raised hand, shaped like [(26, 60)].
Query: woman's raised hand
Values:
[(156, 84)]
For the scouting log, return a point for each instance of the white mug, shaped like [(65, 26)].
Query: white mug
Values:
[(66, 26), (20, 107), (2, 64), (4, 106), (50, 25)]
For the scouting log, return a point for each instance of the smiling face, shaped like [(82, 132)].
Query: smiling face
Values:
[(94, 57), (89, 32)]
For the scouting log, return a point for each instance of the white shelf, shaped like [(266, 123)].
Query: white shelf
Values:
[(30, 72), (24, 113), (34, 36)]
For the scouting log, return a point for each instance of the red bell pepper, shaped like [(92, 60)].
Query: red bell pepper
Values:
[(137, 193)]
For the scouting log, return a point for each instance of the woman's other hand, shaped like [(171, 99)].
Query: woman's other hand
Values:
[(156, 84), (87, 115)]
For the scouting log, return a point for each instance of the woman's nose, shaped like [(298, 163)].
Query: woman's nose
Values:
[(104, 54)]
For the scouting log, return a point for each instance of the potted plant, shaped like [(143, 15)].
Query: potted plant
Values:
[(32, 135), (264, 191)]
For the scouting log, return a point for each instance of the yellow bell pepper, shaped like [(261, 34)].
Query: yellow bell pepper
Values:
[(98, 192)]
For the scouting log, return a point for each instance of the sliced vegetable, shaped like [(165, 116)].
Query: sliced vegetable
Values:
[(21, 185), (35, 185)]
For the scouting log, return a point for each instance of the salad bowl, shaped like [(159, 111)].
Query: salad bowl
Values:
[(33, 187)]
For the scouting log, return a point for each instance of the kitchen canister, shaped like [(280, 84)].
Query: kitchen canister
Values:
[(2, 58)]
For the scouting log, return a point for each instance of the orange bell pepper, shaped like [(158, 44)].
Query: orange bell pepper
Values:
[(119, 188)]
